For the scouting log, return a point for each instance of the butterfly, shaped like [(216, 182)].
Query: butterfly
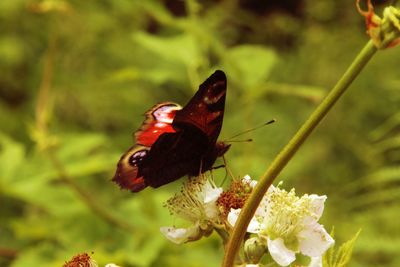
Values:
[(173, 141)]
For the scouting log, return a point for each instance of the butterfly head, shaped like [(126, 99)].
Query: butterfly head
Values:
[(221, 148)]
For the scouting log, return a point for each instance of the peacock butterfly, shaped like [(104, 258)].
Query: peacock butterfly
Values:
[(174, 141)]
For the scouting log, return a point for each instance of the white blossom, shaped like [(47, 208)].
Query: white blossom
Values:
[(290, 225), (196, 204), (315, 262), (256, 223)]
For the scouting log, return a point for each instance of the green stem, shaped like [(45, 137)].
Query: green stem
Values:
[(290, 149)]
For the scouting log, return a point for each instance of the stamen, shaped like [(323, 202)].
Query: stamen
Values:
[(189, 204)]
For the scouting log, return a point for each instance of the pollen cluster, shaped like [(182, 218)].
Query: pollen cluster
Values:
[(286, 215), (81, 260), (234, 197)]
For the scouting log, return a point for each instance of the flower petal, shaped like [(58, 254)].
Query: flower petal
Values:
[(211, 193), (317, 204), (315, 262), (180, 235), (247, 179), (233, 216), (254, 226), (314, 240), (280, 253), (211, 210), (271, 189)]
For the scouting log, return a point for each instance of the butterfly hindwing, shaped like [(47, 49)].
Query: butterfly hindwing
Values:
[(174, 155), (158, 120), (127, 174)]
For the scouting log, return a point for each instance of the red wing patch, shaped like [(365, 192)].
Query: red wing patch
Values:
[(158, 121)]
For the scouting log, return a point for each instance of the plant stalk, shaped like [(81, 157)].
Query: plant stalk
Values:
[(290, 149)]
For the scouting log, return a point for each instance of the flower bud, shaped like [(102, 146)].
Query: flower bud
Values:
[(254, 249), (385, 31)]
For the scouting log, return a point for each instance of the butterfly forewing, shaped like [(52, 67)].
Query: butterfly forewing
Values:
[(206, 108), (158, 120)]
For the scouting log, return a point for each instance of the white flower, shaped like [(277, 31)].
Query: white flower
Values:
[(111, 265), (290, 225), (256, 223), (247, 179), (315, 262), (196, 204)]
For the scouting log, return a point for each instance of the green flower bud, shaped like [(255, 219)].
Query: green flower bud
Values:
[(254, 249)]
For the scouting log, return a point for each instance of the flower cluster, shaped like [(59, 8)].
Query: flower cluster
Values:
[(283, 225)]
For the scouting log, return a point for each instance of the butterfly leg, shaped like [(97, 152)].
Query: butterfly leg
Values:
[(201, 167), (218, 167), (227, 171)]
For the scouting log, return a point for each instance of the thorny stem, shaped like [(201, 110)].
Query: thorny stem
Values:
[(290, 149)]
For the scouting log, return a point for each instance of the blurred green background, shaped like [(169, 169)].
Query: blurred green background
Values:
[(76, 77)]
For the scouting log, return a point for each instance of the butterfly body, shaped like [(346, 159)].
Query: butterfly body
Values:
[(174, 141)]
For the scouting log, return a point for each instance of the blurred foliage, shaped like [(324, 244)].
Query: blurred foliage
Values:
[(77, 75)]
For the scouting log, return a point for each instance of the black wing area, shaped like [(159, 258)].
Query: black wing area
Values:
[(174, 155)]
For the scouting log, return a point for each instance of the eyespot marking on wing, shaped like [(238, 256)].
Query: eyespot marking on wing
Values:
[(127, 173)]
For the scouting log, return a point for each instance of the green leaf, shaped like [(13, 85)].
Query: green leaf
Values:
[(12, 155), (180, 48), (39, 255), (383, 176), (79, 145), (342, 257), (386, 127), (250, 65)]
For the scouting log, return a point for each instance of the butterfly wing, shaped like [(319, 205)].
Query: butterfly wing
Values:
[(172, 142), (206, 108), (127, 174), (174, 155), (192, 148), (158, 120)]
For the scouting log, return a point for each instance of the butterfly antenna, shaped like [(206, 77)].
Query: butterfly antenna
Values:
[(250, 130), (239, 141)]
